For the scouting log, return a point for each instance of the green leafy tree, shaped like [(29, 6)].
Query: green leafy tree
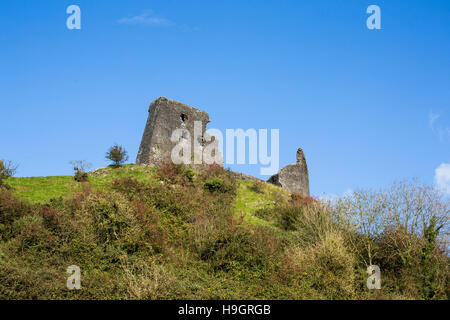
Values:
[(117, 154)]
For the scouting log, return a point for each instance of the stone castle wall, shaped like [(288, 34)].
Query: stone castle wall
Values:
[(165, 116), (294, 178)]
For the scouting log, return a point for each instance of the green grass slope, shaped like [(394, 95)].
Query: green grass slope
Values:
[(42, 189)]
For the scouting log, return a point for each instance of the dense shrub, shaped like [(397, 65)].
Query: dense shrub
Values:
[(228, 245), (257, 186), (190, 174), (267, 214), (215, 184), (30, 232), (11, 209), (310, 218), (302, 200), (422, 263), (179, 236), (216, 178), (172, 173), (327, 267)]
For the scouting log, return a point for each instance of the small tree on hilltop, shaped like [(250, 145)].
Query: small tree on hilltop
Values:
[(7, 169), (117, 154)]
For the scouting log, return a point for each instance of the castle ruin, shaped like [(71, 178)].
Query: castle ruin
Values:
[(294, 177), (165, 116)]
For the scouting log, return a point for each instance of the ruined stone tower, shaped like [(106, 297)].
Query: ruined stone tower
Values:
[(164, 117), (294, 177)]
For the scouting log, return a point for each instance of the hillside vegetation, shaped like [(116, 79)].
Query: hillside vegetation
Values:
[(181, 233)]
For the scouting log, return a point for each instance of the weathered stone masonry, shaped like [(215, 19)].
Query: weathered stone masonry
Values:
[(164, 117), (294, 177)]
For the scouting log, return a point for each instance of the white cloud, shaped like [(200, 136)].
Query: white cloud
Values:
[(147, 17), (442, 177), (442, 132), (432, 117)]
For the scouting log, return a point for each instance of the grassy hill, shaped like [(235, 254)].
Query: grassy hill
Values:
[(179, 233), (40, 190)]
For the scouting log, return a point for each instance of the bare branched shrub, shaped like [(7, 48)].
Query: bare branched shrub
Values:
[(7, 169), (80, 167), (404, 230), (408, 207), (363, 211), (413, 207)]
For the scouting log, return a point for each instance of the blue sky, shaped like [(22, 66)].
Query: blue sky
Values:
[(367, 106)]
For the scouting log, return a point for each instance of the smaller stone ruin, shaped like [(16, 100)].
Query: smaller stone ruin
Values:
[(294, 177)]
